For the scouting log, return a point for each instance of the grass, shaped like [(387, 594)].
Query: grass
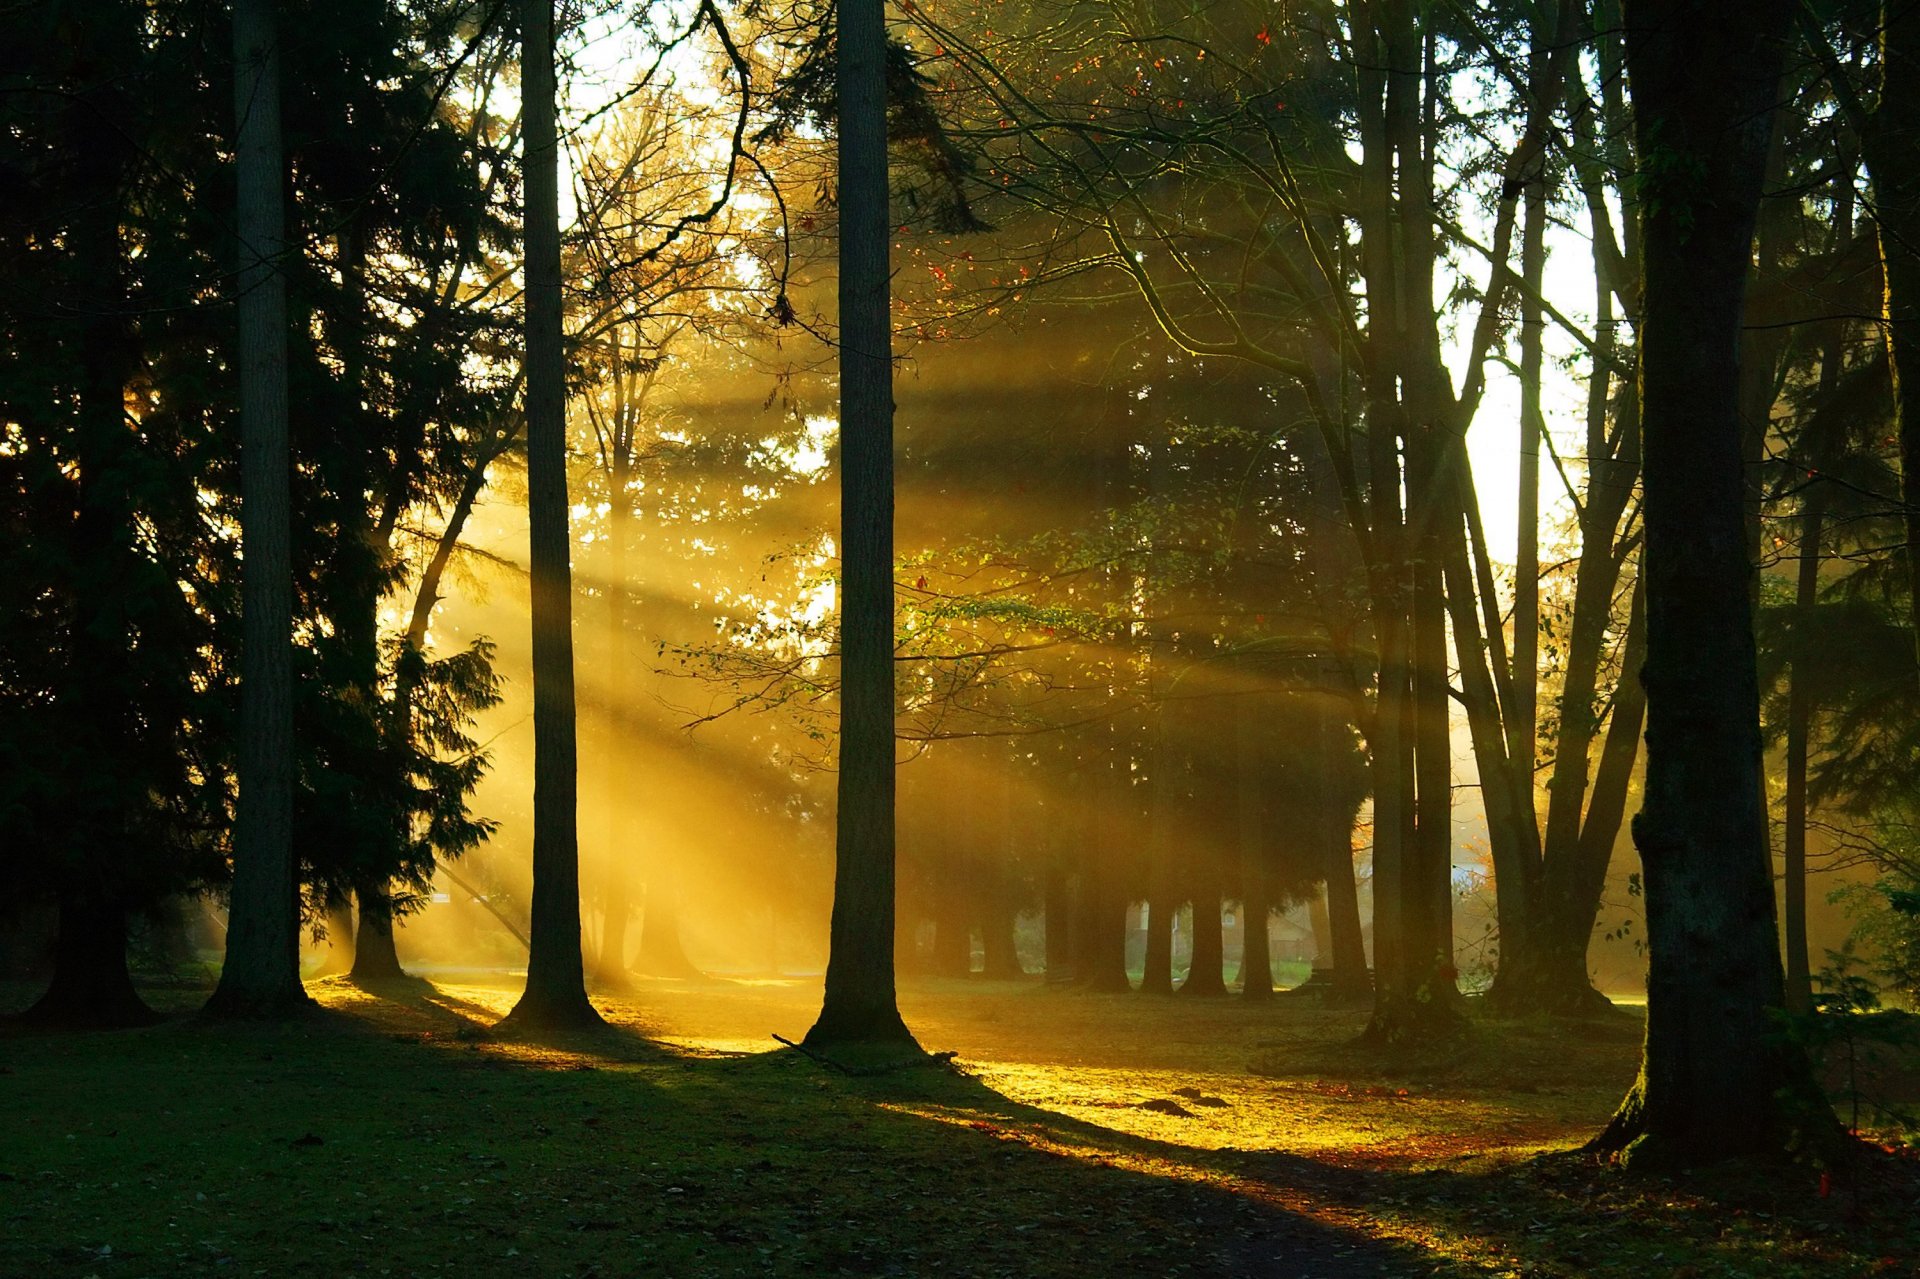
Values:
[(393, 1134)]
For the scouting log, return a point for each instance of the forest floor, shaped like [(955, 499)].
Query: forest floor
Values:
[(1075, 1134)]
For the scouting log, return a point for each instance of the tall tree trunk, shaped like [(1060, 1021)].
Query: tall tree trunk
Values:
[(1523, 722), (610, 964), (261, 974), (859, 1004), (91, 987), (556, 993), (98, 699), (1896, 209), (1799, 976), (1714, 1067)]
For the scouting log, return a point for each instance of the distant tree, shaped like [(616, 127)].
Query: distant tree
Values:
[(1717, 1078), (261, 973)]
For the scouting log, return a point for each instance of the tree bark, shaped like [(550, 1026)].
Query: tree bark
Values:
[(1256, 961), (556, 992), (859, 1004), (1352, 980), (374, 955), (1207, 974), (91, 988), (261, 973), (1799, 976), (1057, 913), (1896, 209), (1714, 1070), (1106, 867)]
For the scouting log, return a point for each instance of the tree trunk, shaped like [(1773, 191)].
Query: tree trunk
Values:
[(610, 964), (1799, 975), (859, 1004), (661, 952), (1058, 922), (999, 955), (1352, 980), (1107, 864), (91, 988), (1256, 948), (374, 955), (1321, 922), (1896, 209), (1157, 976), (1715, 1072), (1207, 975), (340, 929), (261, 974), (952, 938), (616, 915), (556, 992)]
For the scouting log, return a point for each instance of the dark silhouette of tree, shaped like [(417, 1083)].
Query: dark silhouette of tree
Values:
[(261, 974), (1717, 1079), (556, 993), (859, 1005)]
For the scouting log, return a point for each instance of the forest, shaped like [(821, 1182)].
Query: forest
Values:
[(831, 637)]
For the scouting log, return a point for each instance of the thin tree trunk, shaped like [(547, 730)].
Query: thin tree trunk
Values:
[(261, 974), (556, 992), (1523, 722), (1896, 185), (1256, 962), (1799, 975)]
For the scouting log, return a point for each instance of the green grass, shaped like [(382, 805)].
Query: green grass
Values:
[(1096, 1135)]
